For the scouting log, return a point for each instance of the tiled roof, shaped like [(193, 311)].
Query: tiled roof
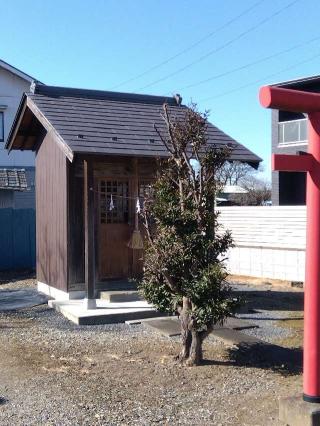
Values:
[(13, 179), (98, 122)]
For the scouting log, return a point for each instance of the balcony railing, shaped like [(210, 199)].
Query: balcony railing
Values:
[(293, 132)]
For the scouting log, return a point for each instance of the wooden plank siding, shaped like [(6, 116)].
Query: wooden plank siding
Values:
[(51, 211)]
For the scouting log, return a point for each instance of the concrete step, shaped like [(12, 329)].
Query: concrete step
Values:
[(104, 313), (120, 296)]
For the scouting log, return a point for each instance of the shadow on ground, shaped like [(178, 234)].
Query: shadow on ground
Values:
[(286, 361), (17, 275), (272, 300)]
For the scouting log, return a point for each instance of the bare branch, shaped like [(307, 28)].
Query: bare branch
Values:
[(163, 139)]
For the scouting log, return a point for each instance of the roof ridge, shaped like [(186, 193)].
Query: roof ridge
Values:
[(59, 91)]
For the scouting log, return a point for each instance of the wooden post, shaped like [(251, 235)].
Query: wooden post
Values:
[(135, 191), (89, 250)]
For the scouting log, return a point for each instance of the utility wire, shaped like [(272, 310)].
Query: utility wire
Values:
[(297, 64), (192, 46), (250, 64), (223, 46)]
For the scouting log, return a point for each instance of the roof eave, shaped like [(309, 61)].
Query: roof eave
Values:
[(16, 122), (302, 80), (27, 102), (18, 72), (50, 128)]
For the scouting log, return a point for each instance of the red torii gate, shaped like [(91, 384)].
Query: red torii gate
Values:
[(307, 102)]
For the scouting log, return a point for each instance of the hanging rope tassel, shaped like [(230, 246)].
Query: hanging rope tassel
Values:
[(136, 240), (138, 207), (111, 205)]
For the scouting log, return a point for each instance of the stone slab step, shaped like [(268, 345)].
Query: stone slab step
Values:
[(235, 337), (166, 327), (142, 320), (237, 324), (113, 296), (170, 326)]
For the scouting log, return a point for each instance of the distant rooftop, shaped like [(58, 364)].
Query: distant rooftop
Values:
[(14, 179), (233, 189)]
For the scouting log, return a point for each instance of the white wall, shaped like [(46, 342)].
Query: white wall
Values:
[(269, 241), (11, 89)]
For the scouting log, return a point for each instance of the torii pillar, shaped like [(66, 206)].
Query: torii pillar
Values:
[(306, 102)]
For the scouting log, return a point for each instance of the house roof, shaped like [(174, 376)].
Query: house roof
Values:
[(233, 189), (304, 82), (99, 122), (17, 72), (14, 179)]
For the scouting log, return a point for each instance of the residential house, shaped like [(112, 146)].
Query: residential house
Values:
[(289, 136), (17, 177), (96, 153), (228, 193)]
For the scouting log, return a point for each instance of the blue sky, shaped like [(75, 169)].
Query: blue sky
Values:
[(103, 43)]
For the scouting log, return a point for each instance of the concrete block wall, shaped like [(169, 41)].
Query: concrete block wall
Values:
[(269, 241), (270, 263)]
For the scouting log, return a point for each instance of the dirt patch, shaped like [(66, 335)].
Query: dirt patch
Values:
[(295, 324), (244, 279), (138, 382)]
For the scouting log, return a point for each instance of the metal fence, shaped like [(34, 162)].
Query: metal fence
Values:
[(17, 239), (269, 242)]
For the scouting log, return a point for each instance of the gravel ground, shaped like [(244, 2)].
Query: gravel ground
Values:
[(56, 373), (268, 306)]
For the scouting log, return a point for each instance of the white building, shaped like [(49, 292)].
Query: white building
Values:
[(13, 83), (17, 171)]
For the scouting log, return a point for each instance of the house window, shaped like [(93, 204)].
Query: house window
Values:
[(292, 188), (1, 126), (291, 132)]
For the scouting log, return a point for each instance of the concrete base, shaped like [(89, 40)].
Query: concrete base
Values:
[(104, 313), (89, 303), (59, 294), (294, 411)]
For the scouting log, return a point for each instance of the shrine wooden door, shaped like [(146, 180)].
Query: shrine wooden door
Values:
[(114, 230)]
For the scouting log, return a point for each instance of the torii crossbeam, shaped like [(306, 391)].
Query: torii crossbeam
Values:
[(306, 102)]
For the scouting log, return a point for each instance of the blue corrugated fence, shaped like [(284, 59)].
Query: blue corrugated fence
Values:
[(17, 239)]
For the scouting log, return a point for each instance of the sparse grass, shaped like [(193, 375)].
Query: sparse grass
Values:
[(295, 324)]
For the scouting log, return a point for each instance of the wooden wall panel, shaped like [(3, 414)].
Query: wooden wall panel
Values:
[(51, 213)]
